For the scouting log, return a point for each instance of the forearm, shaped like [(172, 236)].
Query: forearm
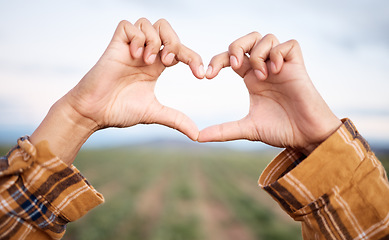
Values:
[(65, 130)]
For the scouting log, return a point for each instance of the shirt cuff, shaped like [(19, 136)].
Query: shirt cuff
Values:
[(295, 180), (43, 190)]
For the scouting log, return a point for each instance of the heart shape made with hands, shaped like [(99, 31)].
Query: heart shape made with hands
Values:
[(285, 108), (265, 113), (205, 102), (119, 91)]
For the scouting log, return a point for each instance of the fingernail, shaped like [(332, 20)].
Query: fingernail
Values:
[(138, 52), (273, 67), (209, 71), (259, 74), (233, 61), (201, 71), (151, 58), (170, 58)]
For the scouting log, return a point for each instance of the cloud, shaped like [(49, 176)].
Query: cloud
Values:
[(51, 45)]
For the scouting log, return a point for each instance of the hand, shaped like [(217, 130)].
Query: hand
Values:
[(285, 108), (119, 89)]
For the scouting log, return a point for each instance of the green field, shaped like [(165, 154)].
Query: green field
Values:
[(183, 193), (180, 193)]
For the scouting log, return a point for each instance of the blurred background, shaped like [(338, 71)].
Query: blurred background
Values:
[(46, 47)]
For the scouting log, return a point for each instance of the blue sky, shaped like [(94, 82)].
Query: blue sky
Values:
[(47, 46)]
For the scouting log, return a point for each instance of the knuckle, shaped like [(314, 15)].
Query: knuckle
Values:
[(215, 58), (122, 23), (274, 51), (161, 22), (216, 62), (142, 20), (294, 42), (270, 35), (221, 132), (197, 59), (255, 34), (155, 41), (173, 43), (178, 121), (257, 61), (219, 60), (140, 37), (172, 46), (233, 46)]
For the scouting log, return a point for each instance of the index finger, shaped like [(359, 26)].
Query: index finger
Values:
[(174, 51), (128, 33), (241, 46)]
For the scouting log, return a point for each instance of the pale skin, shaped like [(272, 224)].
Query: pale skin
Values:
[(285, 108), (119, 90)]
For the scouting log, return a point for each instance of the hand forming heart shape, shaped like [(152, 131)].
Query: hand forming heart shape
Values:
[(285, 108)]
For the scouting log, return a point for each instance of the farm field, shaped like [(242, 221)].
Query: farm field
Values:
[(180, 192)]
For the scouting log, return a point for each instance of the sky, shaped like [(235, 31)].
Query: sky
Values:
[(46, 47)]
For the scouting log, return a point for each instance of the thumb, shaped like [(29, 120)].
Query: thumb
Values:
[(177, 120), (223, 132)]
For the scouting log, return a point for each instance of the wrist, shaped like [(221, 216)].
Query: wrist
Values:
[(65, 130), (326, 131)]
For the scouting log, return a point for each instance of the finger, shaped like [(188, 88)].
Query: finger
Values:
[(260, 54), (170, 41), (177, 120), (223, 132), (216, 64), (152, 42), (193, 60), (130, 34), (175, 51), (288, 51), (240, 47), (224, 60)]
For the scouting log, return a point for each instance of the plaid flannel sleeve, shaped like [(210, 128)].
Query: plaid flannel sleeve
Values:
[(340, 191), (39, 194)]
